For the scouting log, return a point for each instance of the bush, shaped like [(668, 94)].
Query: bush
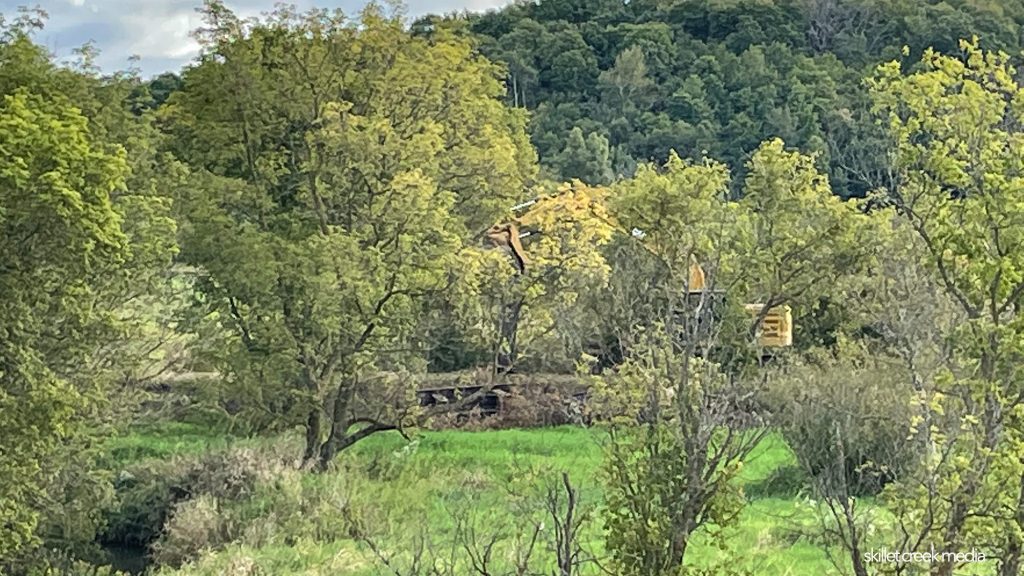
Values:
[(146, 493), (149, 491), (295, 506), (195, 525), (50, 562), (233, 474), (71, 512), (846, 418), (189, 505)]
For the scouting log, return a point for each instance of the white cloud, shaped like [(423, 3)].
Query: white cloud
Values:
[(161, 35), (158, 30), (425, 6)]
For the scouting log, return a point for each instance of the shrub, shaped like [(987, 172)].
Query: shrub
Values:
[(50, 562), (233, 474), (149, 491), (292, 507), (247, 497), (146, 493), (194, 526), (846, 418)]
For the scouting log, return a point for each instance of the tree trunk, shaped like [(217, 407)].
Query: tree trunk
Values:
[(696, 500), (508, 347), (1011, 565), (859, 568), (328, 451), (679, 544), (965, 499), (313, 422), (339, 421), (565, 528)]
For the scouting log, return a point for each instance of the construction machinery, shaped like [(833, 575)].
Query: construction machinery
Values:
[(775, 326), (774, 330)]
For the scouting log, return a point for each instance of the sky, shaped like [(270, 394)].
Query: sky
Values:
[(157, 31)]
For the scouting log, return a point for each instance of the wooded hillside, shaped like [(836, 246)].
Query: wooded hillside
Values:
[(611, 84)]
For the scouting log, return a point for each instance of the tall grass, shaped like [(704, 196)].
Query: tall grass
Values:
[(404, 494)]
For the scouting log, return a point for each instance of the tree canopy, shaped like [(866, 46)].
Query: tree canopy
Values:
[(716, 78)]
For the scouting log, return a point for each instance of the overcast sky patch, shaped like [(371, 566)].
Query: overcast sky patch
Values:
[(158, 30)]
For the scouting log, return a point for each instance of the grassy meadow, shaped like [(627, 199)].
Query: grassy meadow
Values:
[(422, 492)]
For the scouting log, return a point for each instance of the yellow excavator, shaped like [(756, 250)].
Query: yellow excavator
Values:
[(774, 331)]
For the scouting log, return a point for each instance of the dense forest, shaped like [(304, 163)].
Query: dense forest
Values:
[(612, 84), (642, 288)]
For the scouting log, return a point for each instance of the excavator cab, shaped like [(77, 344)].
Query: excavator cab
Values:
[(776, 327)]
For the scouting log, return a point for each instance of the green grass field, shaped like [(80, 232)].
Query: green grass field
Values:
[(415, 492)]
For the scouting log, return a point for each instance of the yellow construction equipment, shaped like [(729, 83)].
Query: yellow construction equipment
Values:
[(776, 326), (696, 284), (507, 237), (776, 329)]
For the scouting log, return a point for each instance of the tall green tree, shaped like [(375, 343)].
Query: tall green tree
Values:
[(958, 149), (57, 225), (87, 239), (340, 167), (586, 158), (692, 354), (626, 84)]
